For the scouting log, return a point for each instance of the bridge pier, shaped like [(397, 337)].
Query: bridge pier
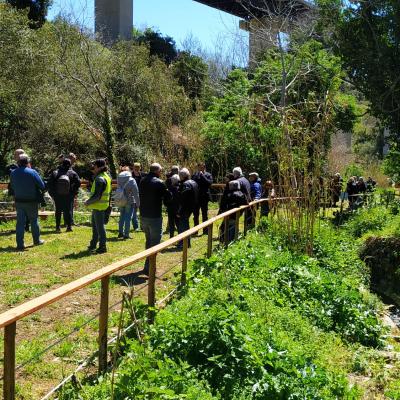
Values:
[(113, 20), (263, 35)]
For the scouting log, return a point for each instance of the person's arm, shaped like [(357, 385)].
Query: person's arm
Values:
[(166, 194), (39, 181), (207, 178), (100, 187), (135, 193)]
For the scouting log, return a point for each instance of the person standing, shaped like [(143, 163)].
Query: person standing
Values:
[(152, 192), (137, 175), (188, 201), (246, 190), (233, 198), (63, 185), (255, 186), (99, 202), (27, 186), (172, 208), (268, 193), (130, 199), (244, 183), (204, 181), (73, 159)]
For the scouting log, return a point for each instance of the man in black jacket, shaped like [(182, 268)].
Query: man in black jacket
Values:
[(152, 193), (204, 181), (63, 186), (188, 200)]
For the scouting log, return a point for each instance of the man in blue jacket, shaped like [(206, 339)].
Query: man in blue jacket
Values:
[(27, 186)]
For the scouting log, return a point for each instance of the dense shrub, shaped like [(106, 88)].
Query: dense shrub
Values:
[(256, 322), (367, 220)]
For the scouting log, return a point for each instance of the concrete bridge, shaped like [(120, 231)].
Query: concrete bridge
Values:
[(263, 19)]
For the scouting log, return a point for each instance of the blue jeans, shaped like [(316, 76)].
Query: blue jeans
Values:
[(125, 215), (135, 220), (98, 229), (152, 228), (27, 211)]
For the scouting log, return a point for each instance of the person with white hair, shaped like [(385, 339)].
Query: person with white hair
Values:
[(233, 198), (188, 199), (152, 192), (26, 185), (244, 183)]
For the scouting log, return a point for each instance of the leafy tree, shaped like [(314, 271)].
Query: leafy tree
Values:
[(366, 34), (191, 72), (163, 47), (245, 125), (37, 10)]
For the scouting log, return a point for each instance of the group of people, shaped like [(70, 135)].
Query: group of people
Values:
[(183, 195), (356, 188)]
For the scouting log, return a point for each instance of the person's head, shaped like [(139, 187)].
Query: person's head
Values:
[(137, 167), (253, 177), (17, 153), (184, 174), (175, 180), (66, 164), (201, 166), (234, 185), (99, 166), (124, 168), (60, 158), (72, 157), (174, 170), (156, 169), (23, 160), (229, 177), (269, 185), (361, 179), (237, 172)]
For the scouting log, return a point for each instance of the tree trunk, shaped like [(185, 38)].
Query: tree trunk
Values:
[(109, 137)]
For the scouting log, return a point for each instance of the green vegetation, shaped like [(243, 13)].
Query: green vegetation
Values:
[(261, 321)]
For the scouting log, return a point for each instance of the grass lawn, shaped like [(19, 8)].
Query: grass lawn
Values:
[(63, 258)]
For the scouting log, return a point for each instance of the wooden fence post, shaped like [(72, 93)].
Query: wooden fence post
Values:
[(246, 227), (103, 324), (237, 225), (184, 260), (9, 361), (209, 242), (226, 231), (151, 294)]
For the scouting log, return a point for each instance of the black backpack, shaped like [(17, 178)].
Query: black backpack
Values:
[(63, 185)]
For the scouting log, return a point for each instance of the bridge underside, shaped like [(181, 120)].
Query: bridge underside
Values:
[(250, 9)]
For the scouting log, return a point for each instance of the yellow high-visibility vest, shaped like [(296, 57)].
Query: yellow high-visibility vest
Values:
[(104, 202)]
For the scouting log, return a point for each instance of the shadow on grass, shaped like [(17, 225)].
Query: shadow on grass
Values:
[(78, 255), (131, 279), (13, 249)]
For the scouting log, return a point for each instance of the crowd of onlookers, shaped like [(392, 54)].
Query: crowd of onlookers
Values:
[(183, 194), (356, 190)]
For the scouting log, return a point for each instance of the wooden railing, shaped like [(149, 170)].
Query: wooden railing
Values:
[(9, 319)]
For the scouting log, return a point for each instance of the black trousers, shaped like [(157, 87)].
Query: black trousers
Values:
[(203, 206), (63, 206), (173, 222)]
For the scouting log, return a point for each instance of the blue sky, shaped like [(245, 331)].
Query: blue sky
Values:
[(179, 19)]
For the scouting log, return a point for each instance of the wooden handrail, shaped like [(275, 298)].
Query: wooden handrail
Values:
[(25, 309)]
